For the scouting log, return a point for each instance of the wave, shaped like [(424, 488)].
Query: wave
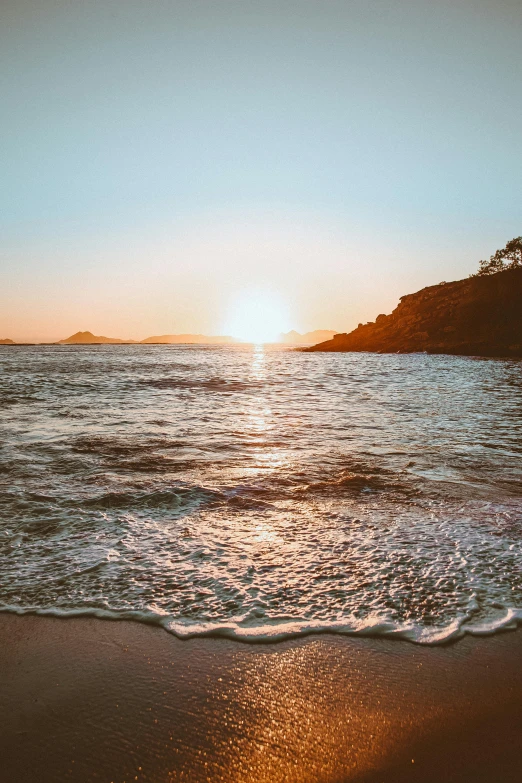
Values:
[(7, 400), (179, 496), (112, 447), (154, 464), (350, 483), (282, 630), (219, 385)]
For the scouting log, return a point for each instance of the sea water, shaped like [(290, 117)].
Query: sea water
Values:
[(260, 492)]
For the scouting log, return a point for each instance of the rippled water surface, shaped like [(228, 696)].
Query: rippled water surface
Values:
[(262, 492)]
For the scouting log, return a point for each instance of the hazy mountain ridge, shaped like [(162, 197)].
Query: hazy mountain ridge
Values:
[(189, 338), (87, 338), (480, 316), (290, 338)]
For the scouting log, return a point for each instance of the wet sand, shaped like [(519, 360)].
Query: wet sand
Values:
[(91, 700)]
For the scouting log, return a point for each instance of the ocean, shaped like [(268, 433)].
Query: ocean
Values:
[(260, 492)]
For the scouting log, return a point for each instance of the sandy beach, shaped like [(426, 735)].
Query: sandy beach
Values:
[(92, 700)]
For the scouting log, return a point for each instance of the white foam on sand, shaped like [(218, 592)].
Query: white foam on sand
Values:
[(276, 631)]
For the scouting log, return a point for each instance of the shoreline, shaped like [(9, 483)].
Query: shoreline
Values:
[(291, 631), (87, 699)]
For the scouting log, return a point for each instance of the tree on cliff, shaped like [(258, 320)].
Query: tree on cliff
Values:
[(507, 258)]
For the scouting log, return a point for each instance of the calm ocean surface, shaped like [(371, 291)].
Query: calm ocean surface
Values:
[(260, 493)]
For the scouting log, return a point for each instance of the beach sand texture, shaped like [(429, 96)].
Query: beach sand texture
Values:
[(91, 700)]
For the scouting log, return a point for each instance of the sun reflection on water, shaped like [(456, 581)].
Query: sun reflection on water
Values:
[(260, 423), (258, 362)]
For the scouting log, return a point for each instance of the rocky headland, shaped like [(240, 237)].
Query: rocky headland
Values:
[(479, 316)]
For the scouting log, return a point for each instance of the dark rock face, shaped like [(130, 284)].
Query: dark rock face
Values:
[(479, 316)]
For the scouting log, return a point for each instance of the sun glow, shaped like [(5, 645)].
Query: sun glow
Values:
[(257, 317)]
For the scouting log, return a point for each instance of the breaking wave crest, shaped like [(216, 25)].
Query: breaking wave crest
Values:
[(284, 630)]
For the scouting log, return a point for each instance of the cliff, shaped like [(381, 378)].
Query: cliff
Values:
[(479, 316)]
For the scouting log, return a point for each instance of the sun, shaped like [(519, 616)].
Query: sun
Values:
[(257, 317)]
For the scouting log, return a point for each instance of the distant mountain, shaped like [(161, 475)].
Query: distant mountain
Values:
[(290, 338), (188, 338), (88, 338), (6, 341), (479, 316), (310, 338)]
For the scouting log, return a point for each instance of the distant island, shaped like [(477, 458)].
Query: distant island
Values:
[(479, 316), (289, 338), (88, 338), (192, 339)]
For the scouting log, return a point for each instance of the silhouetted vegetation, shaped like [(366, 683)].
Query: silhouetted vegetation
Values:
[(509, 257)]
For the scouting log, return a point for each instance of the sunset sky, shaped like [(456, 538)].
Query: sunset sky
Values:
[(165, 161)]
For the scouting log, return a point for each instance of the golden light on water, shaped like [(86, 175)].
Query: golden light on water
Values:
[(258, 363), (260, 423)]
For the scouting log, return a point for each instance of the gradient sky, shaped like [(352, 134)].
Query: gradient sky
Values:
[(161, 159)]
